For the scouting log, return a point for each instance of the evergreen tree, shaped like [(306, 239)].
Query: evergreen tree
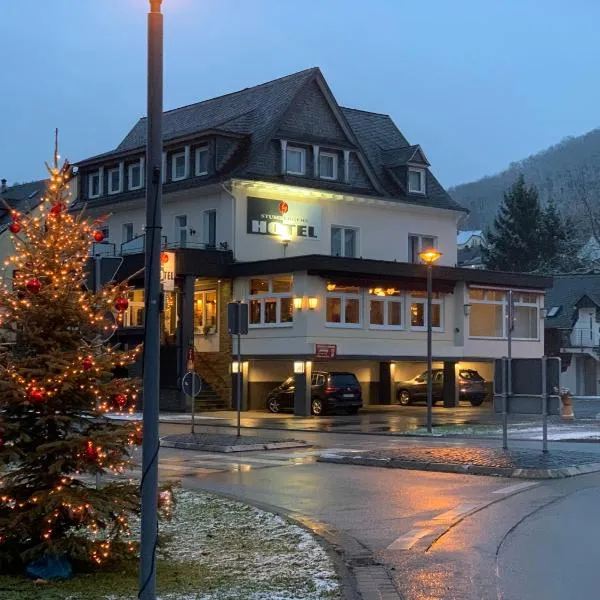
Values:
[(56, 384), (514, 242), (558, 248)]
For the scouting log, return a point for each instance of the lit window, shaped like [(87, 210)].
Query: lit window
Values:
[(178, 170), (385, 308), (343, 306), (134, 315), (416, 181), (418, 243), (94, 185), (417, 302), (205, 311), (295, 161), (135, 175), (201, 161), (328, 165), (114, 180), (271, 301), (344, 241)]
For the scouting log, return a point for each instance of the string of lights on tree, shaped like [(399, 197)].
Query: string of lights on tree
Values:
[(58, 380)]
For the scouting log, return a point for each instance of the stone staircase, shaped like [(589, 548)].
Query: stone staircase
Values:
[(209, 399)]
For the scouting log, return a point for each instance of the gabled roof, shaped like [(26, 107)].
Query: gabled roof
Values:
[(566, 293), (394, 157), (22, 197), (462, 237)]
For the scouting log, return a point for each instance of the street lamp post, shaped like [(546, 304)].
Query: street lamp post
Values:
[(429, 256), (152, 293)]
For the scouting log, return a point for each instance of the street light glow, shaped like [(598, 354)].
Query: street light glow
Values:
[(430, 256)]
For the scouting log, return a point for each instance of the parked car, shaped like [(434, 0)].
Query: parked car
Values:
[(471, 387), (329, 391)]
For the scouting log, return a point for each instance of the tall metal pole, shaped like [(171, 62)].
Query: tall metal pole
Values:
[(151, 382), (429, 351), (510, 324), (239, 375)]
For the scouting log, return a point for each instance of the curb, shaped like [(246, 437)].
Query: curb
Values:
[(351, 557), (559, 473), (232, 448)]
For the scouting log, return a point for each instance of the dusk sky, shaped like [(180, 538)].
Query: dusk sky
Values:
[(478, 83)]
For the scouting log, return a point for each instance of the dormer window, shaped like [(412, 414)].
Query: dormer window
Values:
[(328, 165), (201, 161), (295, 161), (94, 185), (178, 166), (115, 181), (416, 181)]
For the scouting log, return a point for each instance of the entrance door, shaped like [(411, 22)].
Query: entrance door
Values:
[(589, 377)]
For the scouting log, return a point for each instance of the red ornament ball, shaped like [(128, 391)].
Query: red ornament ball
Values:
[(15, 227), (87, 363), (98, 236), (56, 209), (121, 303), (35, 395), (91, 451), (33, 285), (120, 400)]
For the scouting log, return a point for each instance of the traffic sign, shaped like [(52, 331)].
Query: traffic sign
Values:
[(191, 384)]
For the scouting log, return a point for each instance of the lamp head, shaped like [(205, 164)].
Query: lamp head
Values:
[(430, 255), (155, 5)]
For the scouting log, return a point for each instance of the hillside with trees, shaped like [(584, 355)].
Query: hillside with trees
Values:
[(567, 173)]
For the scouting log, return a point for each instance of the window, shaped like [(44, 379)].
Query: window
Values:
[(135, 175), (114, 181), (343, 306), (210, 228), (488, 314), (344, 241), (385, 308), (94, 185), (181, 230), (418, 310), (134, 315), (416, 181), (328, 165), (201, 161), (105, 232), (178, 170), (295, 161), (318, 379), (418, 243), (127, 232), (205, 311), (271, 301)]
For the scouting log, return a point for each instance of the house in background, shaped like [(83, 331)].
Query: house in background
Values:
[(573, 331), (469, 245)]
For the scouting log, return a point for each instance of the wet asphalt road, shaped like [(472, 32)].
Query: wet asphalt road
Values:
[(442, 536)]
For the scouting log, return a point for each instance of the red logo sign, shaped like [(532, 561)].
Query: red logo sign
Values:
[(283, 208), (325, 350)]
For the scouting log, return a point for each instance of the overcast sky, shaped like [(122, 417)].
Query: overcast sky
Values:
[(478, 83)]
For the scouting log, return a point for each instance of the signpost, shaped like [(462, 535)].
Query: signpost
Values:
[(237, 324), (325, 350), (191, 384)]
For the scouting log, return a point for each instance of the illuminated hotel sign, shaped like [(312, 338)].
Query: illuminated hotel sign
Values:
[(288, 218)]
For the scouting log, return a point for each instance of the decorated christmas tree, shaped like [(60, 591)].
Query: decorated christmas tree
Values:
[(57, 382)]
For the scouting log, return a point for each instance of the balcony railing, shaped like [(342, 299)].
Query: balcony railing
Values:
[(580, 337), (136, 246)]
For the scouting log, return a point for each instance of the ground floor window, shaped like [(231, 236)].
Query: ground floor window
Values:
[(205, 311), (385, 308), (271, 301), (343, 306), (418, 310), (134, 315), (489, 314)]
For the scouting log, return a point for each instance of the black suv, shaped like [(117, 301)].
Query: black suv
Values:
[(329, 391), (471, 387)]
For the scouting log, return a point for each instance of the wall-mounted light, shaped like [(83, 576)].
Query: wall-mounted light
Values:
[(313, 302), (235, 367), (299, 367), (467, 309), (298, 302), (192, 231)]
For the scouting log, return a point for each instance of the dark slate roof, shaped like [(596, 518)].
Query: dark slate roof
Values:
[(400, 156), (251, 110), (22, 197), (567, 291), (469, 257), (378, 134)]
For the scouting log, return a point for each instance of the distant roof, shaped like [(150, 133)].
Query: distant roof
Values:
[(256, 112), (22, 197), (462, 237), (566, 292)]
